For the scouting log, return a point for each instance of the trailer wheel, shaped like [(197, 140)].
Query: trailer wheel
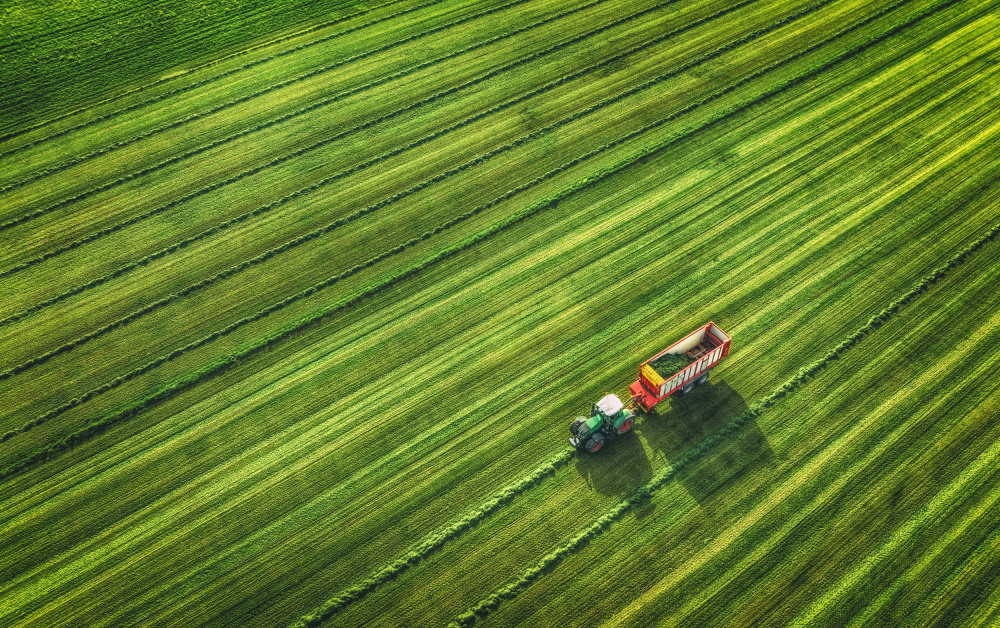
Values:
[(594, 444), (626, 426), (574, 427), (687, 388), (703, 378)]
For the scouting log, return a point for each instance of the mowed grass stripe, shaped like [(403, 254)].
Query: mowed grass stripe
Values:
[(207, 81), (96, 426), (371, 123), (339, 222), (264, 125)]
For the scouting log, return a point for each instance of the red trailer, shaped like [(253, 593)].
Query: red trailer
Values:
[(703, 349)]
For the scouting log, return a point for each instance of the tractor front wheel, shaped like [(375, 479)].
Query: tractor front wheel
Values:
[(626, 426), (594, 444), (574, 427)]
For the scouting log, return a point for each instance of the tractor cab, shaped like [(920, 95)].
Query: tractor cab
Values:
[(608, 418)]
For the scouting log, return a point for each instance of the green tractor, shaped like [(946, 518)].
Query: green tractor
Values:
[(608, 418)]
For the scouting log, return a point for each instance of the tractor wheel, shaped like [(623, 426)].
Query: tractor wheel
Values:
[(574, 427), (688, 387), (626, 426), (702, 379), (595, 443)]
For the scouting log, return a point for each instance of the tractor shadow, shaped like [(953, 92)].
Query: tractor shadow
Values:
[(685, 421), (621, 467)]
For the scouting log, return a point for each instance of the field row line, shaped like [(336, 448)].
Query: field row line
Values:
[(100, 425), (203, 66), (339, 222), (11, 40), (310, 74), (263, 125), (437, 95), (335, 604)]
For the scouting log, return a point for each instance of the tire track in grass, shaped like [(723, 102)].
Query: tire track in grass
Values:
[(213, 62), (428, 234), (551, 560), (306, 75), (347, 219), (101, 424)]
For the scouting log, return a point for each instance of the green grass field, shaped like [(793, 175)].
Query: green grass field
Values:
[(295, 318)]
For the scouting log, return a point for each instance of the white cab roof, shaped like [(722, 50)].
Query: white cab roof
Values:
[(610, 405)]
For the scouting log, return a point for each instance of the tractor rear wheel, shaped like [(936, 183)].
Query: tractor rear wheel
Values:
[(594, 443), (626, 426), (574, 427)]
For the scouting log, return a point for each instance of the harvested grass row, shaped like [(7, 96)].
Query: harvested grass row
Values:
[(435, 541)]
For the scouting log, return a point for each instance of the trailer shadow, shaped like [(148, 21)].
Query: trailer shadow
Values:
[(689, 419), (621, 467)]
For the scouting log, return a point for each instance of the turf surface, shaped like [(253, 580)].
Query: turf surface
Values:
[(295, 335)]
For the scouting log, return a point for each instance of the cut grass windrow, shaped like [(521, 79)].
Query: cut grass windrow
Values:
[(551, 560), (315, 72), (337, 223), (213, 62), (101, 424), (438, 95), (285, 117), (435, 540)]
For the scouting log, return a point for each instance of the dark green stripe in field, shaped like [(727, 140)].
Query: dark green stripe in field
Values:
[(55, 55), (325, 370)]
